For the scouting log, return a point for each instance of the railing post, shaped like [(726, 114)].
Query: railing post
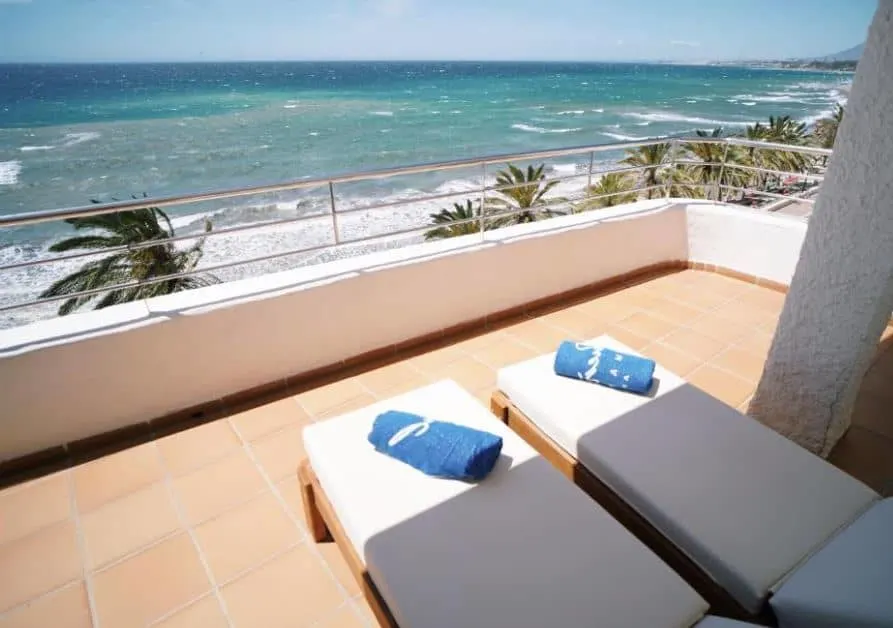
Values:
[(591, 162), (671, 159), (334, 216), (722, 168), (483, 198)]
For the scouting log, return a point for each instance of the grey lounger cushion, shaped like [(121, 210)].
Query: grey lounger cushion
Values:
[(849, 582), (744, 503), (524, 548)]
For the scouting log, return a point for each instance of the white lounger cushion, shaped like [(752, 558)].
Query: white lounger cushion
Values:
[(525, 547), (744, 503)]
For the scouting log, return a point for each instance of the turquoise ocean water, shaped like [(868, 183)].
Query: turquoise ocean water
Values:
[(72, 133)]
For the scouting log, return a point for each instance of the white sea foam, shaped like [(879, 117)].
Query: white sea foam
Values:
[(568, 169), (28, 149), (72, 139), (599, 110), (571, 112), (313, 133), (669, 116), (748, 103), (645, 123), (815, 85), (624, 138), (181, 222), (381, 113), (9, 172), (289, 106), (812, 119), (691, 101), (771, 98), (539, 129)]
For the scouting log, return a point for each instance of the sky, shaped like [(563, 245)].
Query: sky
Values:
[(579, 30)]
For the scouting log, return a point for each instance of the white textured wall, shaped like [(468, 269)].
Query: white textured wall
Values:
[(842, 292), (751, 242)]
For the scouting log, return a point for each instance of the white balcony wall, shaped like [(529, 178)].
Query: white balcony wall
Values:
[(751, 242), (89, 373)]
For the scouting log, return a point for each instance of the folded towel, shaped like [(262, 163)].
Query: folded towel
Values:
[(604, 366), (436, 447)]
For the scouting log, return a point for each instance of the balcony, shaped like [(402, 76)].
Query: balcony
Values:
[(156, 533), (131, 484)]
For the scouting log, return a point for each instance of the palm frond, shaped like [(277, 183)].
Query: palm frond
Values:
[(135, 265)]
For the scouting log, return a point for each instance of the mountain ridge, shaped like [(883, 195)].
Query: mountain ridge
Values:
[(850, 54)]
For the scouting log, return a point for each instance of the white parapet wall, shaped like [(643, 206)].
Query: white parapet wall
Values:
[(73, 377), (750, 242)]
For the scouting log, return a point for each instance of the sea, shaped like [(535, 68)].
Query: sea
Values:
[(74, 134)]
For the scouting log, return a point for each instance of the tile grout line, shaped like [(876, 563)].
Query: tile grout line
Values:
[(181, 607), (81, 552), (178, 508), (9, 612), (295, 521), (82, 546), (167, 536), (139, 550)]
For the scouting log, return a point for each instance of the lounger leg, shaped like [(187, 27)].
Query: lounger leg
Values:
[(499, 405), (312, 516)]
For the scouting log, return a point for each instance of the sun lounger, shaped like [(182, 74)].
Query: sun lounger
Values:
[(522, 548), (743, 513)]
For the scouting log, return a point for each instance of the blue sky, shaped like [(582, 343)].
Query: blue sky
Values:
[(210, 30)]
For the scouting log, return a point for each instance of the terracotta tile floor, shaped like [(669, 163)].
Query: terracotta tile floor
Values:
[(204, 528)]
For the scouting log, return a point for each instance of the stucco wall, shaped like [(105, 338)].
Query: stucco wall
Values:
[(842, 294), (751, 242), (73, 377)]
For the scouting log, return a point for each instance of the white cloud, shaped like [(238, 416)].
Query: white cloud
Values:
[(619, 42), (682, 42)]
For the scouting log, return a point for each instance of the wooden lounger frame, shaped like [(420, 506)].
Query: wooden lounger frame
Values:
[(324, 525), (721, 602)]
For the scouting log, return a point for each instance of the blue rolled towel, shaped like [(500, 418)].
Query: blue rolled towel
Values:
[(604, 366), (436, 447)]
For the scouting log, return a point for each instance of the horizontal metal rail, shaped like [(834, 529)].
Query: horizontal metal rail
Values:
[(335, 239), (755, 192), (732, 164), (740, 141), (16, 220)]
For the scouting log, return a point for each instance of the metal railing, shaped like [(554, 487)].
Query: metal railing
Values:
[(712, 185)]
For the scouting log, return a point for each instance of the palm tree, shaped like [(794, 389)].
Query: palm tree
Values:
[(712, 172), (618, 185), (779, 130), (446, 219), (825, 131), (650, 158), (756, 157), (683, 182), (785, 130), (127, 265), (524, 191)]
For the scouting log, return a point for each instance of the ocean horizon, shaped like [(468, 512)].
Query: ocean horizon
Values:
[(74, 133)]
